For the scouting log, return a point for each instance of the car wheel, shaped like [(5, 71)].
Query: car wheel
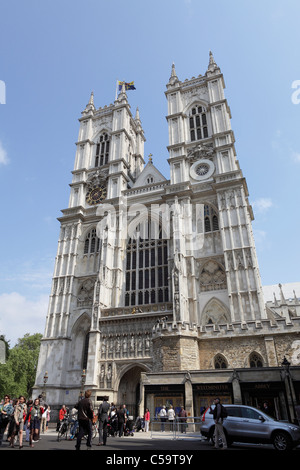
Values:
[(211, 435), (282, 441)]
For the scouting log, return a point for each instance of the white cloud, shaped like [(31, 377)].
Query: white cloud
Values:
[(296, 157), (3, 155), (19, 315), (262, 204)]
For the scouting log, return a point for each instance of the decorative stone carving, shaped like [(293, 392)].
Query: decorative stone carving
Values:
[(109, 376), (86, 294), (215, 312), (200, 151), (212, 277), (97, 178)]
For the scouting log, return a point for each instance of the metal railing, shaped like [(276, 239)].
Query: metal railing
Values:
[(179, 428)]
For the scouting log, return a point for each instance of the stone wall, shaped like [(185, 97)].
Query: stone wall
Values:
[(180, 346)]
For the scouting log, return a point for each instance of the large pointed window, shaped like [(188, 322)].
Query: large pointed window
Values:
[(102, 150), (255, 360), (211, 223), (91, 243), (198, 123), (147, 267), (220, 362)]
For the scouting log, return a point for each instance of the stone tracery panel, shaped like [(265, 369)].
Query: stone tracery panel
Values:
[(212, 277), (86, 294)]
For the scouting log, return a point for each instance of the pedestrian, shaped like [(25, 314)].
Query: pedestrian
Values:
[(219, 414), (103, 421), (74, 423), (42, 405), (20, 413), (182, 419), (45, 418), (163, 418), (113, 419), (147, 419), (267, 409), (61, 415), (27, 420), (35, 418), (85, 417), (171, 417), (121, 413), (126, 411), (11, 430), (6, 412)]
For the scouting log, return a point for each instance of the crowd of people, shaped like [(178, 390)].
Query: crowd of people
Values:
[(17, 416), (32, 417), (168, 418)]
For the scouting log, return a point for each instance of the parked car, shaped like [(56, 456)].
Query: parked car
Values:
[(248, 424)]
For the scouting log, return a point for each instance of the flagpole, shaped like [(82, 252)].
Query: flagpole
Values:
[(116, 90)]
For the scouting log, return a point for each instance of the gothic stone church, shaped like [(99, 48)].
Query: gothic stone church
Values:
[(139, 309)]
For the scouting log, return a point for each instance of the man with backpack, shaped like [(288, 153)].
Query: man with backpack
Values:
[(219, 413)]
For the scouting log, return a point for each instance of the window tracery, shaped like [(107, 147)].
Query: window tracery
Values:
[(146, 279), (91, 243), (220, 362), (255, 360), (102, 150), (198, 123)]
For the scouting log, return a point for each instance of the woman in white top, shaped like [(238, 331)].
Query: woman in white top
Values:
[(171, 417), (163, 418)]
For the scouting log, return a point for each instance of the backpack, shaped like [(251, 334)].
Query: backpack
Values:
[(224, 413)]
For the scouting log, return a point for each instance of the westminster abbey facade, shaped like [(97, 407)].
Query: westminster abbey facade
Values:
[(156, 295)]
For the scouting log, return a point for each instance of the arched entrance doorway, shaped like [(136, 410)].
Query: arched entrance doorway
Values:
[(129, 390)]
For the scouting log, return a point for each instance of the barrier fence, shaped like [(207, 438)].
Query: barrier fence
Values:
[(179, 428)]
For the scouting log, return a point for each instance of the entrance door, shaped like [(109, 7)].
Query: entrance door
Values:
[(129, 390)]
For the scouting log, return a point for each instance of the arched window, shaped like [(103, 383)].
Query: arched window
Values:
[(146, 279), (198, 123), (102, 150), (220, 362), (91, 243), (211, 222), (255, 360), (150, 179)]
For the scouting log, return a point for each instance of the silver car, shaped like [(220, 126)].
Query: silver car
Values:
[(248, 424)]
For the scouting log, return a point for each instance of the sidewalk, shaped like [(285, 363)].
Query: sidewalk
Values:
[(166, 435), (140, 442)]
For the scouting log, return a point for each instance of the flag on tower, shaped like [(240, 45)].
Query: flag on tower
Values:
[(128, 86)]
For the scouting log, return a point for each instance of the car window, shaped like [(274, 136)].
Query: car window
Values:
[(233, 411), (249, 413)]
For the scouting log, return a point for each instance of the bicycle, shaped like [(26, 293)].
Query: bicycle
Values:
[(94, 431), (63, 429)]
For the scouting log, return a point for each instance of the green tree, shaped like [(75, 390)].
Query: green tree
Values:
[(17, 376)]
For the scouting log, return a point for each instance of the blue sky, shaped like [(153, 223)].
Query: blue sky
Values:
[(54, 53)]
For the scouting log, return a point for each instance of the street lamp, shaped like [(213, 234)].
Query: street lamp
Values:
[(83, 378), (44, 388), (290, 395)]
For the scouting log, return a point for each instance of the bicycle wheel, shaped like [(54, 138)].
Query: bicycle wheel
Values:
[(59, 435), (95, 430), (62, 432)]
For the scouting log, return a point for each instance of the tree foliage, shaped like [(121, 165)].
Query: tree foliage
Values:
[(17, 376)]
